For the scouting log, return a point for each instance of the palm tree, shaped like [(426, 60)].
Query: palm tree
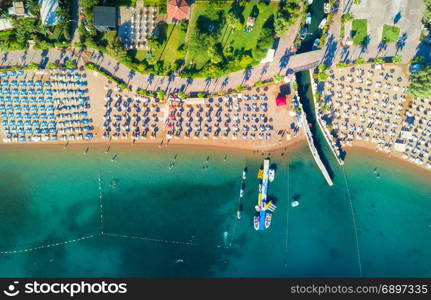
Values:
[(33, 7)]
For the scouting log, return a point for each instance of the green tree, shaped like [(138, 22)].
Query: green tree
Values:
[(233, 21), (70, 64), (182, 51), (420, 83), (281, 25), (397, 59), (182, 95), (360, 61), (347, 17), (278, 78), (33, 66), (323, 76), (161, 94), (418, 60), (214, 55), (201, 95), (341, 65), (322, 68), (33, 7), (427, 14), (116, 46), (52, 65)]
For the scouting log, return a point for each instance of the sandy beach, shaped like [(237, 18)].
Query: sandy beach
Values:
[(248, 120)]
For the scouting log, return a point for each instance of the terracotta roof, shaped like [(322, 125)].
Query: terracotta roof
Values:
[(178, 9)]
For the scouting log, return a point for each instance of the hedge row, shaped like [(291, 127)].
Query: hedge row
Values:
[(119, 82)]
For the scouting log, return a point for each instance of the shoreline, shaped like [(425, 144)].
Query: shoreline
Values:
[(287, 147), (388, 156)]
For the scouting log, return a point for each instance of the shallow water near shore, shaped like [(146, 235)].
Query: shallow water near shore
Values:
[(140, 218)]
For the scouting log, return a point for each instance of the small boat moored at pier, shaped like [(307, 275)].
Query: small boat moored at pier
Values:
[(256, 222), (271, 175), (322, 23), (264, 207), (308, 19), (268, 218)]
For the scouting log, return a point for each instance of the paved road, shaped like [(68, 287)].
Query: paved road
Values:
[(170, 84), (283, 60), (75, 21), (410, 14), (175, 84)]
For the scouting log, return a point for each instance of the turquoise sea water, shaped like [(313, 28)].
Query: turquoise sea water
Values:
[(158, 222)]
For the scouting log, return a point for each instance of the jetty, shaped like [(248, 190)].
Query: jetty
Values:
[(309, 137), (334, 149)]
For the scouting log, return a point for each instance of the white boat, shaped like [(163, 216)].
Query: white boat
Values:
[(244, 174), (271, 175), (294, 204), (238, 214), (326, 8), (310, 2), (241, 193), (308, 19), (316, 43), (322, 23), (256, 222), (268, 218)]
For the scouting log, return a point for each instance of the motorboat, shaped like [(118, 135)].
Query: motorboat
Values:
[(241, 193), (256, 222), (268, 218), (244, 174), (316, 44), (271, 175), (326, 8), (294, 203), (322, 23), (308, 19)]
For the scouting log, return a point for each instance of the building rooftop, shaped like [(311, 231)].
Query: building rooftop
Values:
[(105, 17), (5, 24), (178, 9), (17, 8)]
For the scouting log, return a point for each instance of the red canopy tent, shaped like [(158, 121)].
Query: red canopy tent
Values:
[(280, 101)]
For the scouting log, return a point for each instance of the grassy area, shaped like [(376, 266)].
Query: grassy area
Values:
[(173, 37), (390, 34), (140, 55), (359, 31), (248, 40), (212, 43), (238, 39), (109, 36)]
